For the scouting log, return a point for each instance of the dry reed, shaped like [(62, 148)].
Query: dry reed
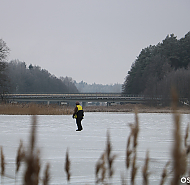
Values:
[(41, 109), (100, 168), (46, 178), (110, 157), (164, 173), (176, 153), (145, 172), (20, 156), (2, 163), (134, 168), (128, 152), (105, 163), (132, 147), (32, 159), (67, 166), (186, 136), (136, 130)]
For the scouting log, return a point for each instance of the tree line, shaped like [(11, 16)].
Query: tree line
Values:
[(159, 67), (33, 79), (16, 77), (84, 87)]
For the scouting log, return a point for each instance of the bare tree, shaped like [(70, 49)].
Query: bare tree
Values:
[(4, 51)]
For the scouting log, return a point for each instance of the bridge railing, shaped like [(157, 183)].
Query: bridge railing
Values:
[(74, 94)]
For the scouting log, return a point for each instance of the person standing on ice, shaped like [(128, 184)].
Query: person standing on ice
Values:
[(78, 115)]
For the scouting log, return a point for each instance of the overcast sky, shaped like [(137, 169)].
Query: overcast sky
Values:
[(89, 40)]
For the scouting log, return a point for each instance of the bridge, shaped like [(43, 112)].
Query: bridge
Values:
[(68, 98)]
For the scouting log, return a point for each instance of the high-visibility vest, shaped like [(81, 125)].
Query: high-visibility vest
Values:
[(79, 109)]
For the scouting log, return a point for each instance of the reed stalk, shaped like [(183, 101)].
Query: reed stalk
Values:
[(100, 168), (176, 152), (128, 152), (46, 178), (20, 156), (164, 174), (131, 150), (134, 169), (145, 172), (136, 130), (2, 163)]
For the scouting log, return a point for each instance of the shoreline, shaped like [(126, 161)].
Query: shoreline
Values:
[(52, 109)]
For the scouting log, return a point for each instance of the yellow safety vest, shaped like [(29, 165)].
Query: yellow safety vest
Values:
[(79, 108)]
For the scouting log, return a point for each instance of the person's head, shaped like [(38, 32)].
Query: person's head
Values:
[(77, 103)]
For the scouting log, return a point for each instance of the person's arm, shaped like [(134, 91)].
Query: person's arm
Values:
[(75, 111)]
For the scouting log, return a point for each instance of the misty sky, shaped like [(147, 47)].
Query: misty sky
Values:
[(89, 40)]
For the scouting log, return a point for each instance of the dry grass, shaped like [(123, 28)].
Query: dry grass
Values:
[(130, 108), (25, 109), (54, 109)]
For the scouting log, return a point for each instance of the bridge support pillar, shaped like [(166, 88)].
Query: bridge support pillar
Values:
[(108, 104)]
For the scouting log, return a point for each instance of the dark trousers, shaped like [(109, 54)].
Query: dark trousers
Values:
[(78, 122)]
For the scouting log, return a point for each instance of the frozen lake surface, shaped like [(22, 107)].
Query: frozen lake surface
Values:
[(57, 133)]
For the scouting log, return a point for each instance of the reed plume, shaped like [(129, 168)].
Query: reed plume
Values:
[(164, 173), (131, 150), (110, 157), (128, 152), (32, 159), (67, 166), (20, 156), (2, 163), (136, 129), (100, 168)]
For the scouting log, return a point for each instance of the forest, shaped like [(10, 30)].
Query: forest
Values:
[(33, 79), (16, 77), (160, 67)]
